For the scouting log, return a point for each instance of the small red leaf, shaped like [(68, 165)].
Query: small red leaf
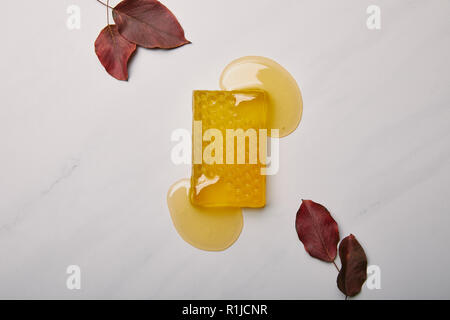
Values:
[(148, 23), (354, 266), (114, 51), (317, 230)]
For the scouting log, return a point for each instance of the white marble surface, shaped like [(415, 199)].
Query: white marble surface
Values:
[(85, 159)]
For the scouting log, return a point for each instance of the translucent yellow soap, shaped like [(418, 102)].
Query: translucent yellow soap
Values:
[(229, 148)]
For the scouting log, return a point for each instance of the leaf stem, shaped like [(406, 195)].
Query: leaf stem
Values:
[(107, 12), (336, 266), (105, 4)]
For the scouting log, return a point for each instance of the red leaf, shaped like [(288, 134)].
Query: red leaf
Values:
[(148, 23), (114, 51), (317, 230), (354, 266)]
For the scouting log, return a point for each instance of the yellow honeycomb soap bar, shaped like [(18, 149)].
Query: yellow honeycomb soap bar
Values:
[(229, 148)]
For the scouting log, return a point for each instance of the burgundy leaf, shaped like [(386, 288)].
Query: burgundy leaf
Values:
[(148, 23), (317, 230), (114, 51), (354, 266)]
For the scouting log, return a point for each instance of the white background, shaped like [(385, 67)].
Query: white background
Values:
[(85, 159)]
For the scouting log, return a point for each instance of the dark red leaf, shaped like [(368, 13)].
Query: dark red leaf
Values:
[(114, 51), (148, 23), (354, 266), (317, 230)]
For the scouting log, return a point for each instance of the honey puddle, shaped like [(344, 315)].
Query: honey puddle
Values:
[(214, 228), (211, 229), (285, 99)]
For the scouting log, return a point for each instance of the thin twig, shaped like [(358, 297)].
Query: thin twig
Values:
[(106, 5), (336, 266), (107, 12)]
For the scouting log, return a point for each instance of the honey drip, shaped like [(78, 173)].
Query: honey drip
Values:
[(210, 229), (285, 100)]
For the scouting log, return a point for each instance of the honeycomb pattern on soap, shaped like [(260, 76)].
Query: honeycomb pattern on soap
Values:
[(229, 185)]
